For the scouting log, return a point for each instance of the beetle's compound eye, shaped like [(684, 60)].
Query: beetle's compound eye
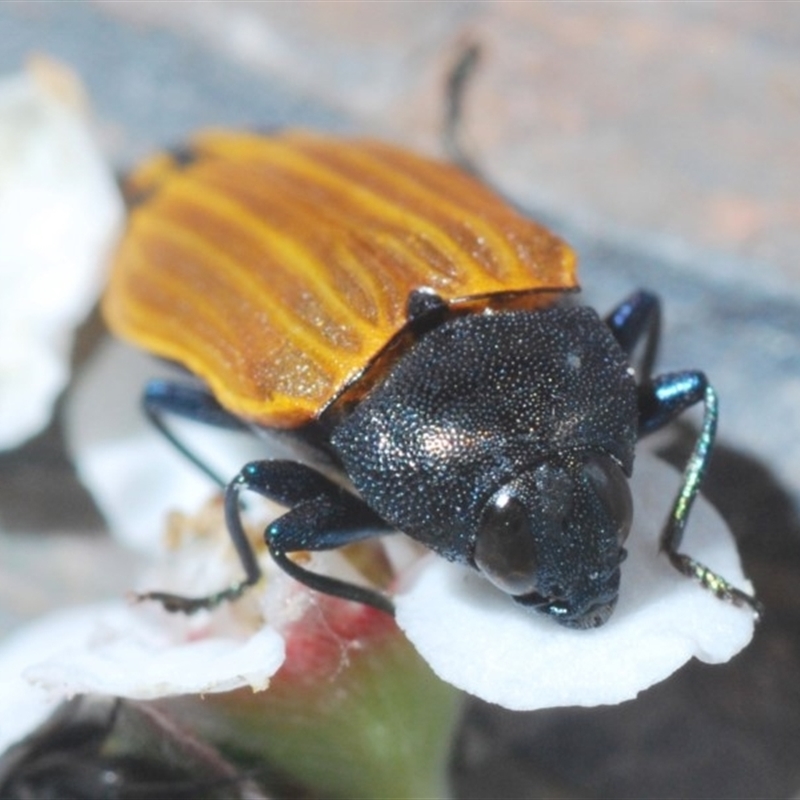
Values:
[(611, 486), (504, 549)]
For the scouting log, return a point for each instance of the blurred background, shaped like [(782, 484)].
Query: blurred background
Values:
[(661, 139)]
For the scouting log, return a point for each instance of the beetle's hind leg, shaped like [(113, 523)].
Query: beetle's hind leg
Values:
[(458, 80), (661, 400)]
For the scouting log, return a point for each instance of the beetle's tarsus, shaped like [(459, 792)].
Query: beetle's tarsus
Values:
[(715, 583), (178, 604)]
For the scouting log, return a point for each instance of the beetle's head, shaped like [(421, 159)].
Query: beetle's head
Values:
[(553, 538)]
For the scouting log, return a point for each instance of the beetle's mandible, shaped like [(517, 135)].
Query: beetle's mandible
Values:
[(404, 322)]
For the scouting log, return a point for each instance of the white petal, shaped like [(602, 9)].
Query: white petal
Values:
[(60, 211), (476, 639), (116, 650)]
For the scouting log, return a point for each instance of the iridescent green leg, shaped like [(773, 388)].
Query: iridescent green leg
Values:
[(660, 401)]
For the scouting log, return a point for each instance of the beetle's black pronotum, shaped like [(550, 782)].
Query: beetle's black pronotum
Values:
[(404, 322)]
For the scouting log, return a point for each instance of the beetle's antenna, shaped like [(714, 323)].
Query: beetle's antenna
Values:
[(455, 91)]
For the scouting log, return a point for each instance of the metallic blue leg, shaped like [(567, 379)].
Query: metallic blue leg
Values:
[(323, 516), (163, 398), (638, 318)]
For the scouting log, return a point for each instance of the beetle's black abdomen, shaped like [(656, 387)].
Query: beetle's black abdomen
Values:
[(477, 401)]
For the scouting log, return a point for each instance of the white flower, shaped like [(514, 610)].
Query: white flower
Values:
[(471, 635), (59, 213)]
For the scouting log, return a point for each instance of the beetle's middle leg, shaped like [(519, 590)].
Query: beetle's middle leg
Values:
[(167, 398), (637, 320)]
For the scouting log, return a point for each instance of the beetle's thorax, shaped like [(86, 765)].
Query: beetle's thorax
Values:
[(477, 401)]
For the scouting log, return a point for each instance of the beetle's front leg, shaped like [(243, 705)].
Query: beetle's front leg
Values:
[(323, 516), (164, 398), (660, 401)]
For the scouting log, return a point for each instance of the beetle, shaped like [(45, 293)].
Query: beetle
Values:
[(101, 747), (402, 321)]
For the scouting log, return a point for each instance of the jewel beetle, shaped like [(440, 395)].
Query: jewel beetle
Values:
[(405, 324)]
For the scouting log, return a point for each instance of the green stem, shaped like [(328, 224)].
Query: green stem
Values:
[(366, 719)]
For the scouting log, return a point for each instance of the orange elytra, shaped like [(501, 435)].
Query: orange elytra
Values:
[(277, 267)]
